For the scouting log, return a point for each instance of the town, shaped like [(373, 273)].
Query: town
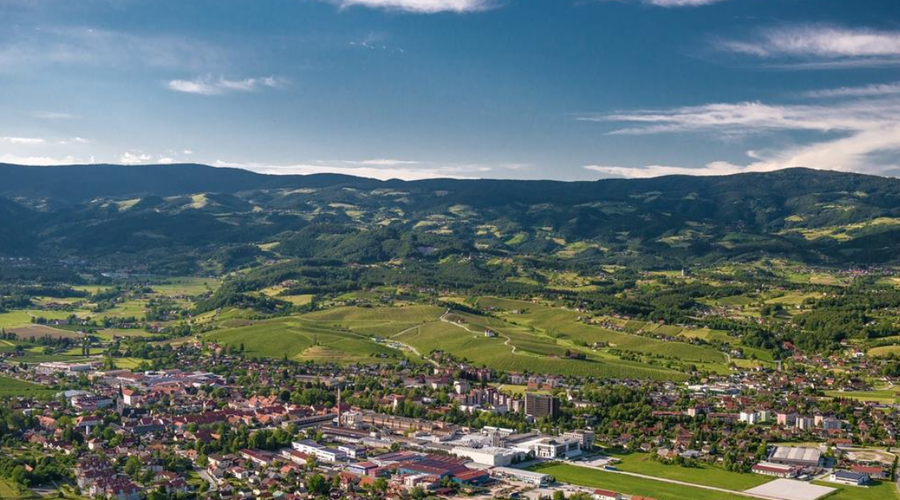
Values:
[(208, 422)]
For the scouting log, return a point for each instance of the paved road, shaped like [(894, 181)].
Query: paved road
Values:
[(213, 485), (411, 348), (466, 328)]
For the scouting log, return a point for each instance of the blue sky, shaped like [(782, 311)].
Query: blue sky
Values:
[(560, 89)]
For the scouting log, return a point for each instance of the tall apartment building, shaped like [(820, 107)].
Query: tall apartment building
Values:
[(538, 406)]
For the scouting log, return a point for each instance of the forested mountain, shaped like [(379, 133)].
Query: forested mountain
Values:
[(182, 217)]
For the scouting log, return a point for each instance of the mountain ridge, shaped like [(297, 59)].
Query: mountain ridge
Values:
[(194, 213)]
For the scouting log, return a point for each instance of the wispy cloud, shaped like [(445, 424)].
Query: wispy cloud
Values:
[(53, 115), (421, 6), (882, 89), (209, 87), (381, 162), (854, 134), (814, 46), (86, 46), (22, 140), (714, 168), (376, 169), (676, 3), (73, 140)]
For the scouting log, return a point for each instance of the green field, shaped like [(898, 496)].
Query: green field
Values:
[(185, 286), (127, 309), (19, 318), (129, 363), (888, 396), (704, 474), (882, 491), (375, 321), (14, 387), (346, 334), (566, 325), (631, 485), (886, 350), (304, 340), (533, 353), (11, 491)]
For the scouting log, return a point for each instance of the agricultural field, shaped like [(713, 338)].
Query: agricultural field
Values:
[(518, 349), (303, 340), (350, 333), (187, 286), (631, 485), (564, 324), (14, 387), (21, 318), (10, 491), (884, 490), (886, 350), (704, 474), (885, 396), (129, 363), (376, 321), (42, 331)]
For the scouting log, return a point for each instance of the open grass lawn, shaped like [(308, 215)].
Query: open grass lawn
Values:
[(631, 485), (185, 286), (884, 396), (15, 387), (704, 474), (129, 363), (127, 309), (297, 300), (793, 298), (41, 331), (882, 491), (9, 490), (109, 333), (886, 350), (21, 318)]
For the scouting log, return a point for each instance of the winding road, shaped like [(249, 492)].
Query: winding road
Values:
[(466, 328)]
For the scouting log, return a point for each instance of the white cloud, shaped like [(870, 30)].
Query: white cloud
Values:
[(865, 91), (680, 3), (714, 168), (208, 86), (73, 140), (854, 133), (41, 161), (22, 140), (814, 46), (134, 158), (84, 46), (754, 117), (53, 115), (375, 169), (421, 6), (383, 162)]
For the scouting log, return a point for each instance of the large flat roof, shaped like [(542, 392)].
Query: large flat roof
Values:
[(797, 454), (790, 489)]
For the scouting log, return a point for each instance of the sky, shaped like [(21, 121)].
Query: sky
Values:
[(412, 89)]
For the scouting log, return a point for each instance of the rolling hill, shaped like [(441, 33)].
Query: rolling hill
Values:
[(183, 218)]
